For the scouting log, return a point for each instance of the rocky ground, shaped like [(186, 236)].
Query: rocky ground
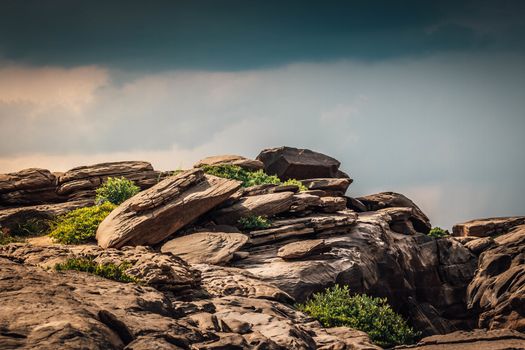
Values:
[(208, 284)]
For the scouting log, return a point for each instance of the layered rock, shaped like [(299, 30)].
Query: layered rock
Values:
[(487, 227), (154, 214), (294, 163), (497, 291), (206, 247), (302, 249), (336, 186), (81, 182), (383, 200), (245, 163), (28, 186)]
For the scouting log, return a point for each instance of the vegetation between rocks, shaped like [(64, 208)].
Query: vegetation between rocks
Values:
[(254, 222), (248, 178), (116, 190), (438, 232), (109, 270), (80, 225), (336, 307), (29, 228)]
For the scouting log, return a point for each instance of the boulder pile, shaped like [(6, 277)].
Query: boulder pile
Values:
[(221, 266)]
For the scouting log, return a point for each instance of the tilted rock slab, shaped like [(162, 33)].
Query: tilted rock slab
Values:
[(28, 186), (228, 159), (206, 247), (487, 227), (156, 213)]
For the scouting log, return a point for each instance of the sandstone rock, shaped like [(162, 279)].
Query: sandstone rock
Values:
[(391, 199), (334, 185), (355, 204), (248, 164), (302, 249), (497, 291), (206, 247), (479, 245), (487, 227), (293, 163), (474, 340), (154, 214), (332, 204), (28, 186), (264, 205), (82, 181)]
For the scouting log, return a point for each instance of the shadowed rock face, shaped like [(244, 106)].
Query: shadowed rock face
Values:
[(156, 213), (497, 291)]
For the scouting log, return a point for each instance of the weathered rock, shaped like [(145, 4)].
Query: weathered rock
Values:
[(391, 199), (497, 291), (478, 339), (206, 247), (246, 163), (264, 205), (487, 227), (332, 204), (12, 219), (154, 214), (355, 204), (479, 245), (293, 163), (302, 249), (333, 185), (28, 186), (81, 182)]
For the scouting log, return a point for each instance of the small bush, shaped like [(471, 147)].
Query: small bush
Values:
[(109, 271), (438, 232), (80, 225), (248, 178), (31, 227), (6, 238), (254, 222), (116, 190), (335, 307), (296, 183)]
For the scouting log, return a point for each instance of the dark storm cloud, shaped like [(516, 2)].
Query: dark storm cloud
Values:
[(236, 35)]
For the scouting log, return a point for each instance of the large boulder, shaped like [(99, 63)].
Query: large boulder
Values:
[(497, 291), (487, 227), (206, 247), (28, 186), (81, 182), (383, 200), (154, 214), (245, 163), (295, 163)]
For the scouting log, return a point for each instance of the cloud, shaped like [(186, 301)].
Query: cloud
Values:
[(451, 123)]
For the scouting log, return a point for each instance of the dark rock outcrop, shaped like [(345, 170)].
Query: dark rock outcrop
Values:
[(294, 163)]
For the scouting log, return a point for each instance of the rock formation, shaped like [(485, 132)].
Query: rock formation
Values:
[(206, 281)]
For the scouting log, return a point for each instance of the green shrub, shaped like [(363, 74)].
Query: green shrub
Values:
[(335, 307), (116, 190), (297, 183), (438, 232), (6, 238), (31, 227), (254, 222), (248, 178), (80, 225), (109, 271)]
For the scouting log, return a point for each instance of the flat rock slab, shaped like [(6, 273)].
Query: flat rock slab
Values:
[(229, 159), (265, 205), (339, 185), (302, 249), (206, 247), (156, 213), (487, 227)]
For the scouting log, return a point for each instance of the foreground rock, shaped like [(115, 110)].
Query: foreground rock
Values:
[(497, 291), (294, 163), (81, 311), (479, 339), (383, 200), (487, 227), (154, 214), (206, 247), (245, 163)]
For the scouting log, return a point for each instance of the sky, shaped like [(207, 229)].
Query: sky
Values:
[(425, 98)]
